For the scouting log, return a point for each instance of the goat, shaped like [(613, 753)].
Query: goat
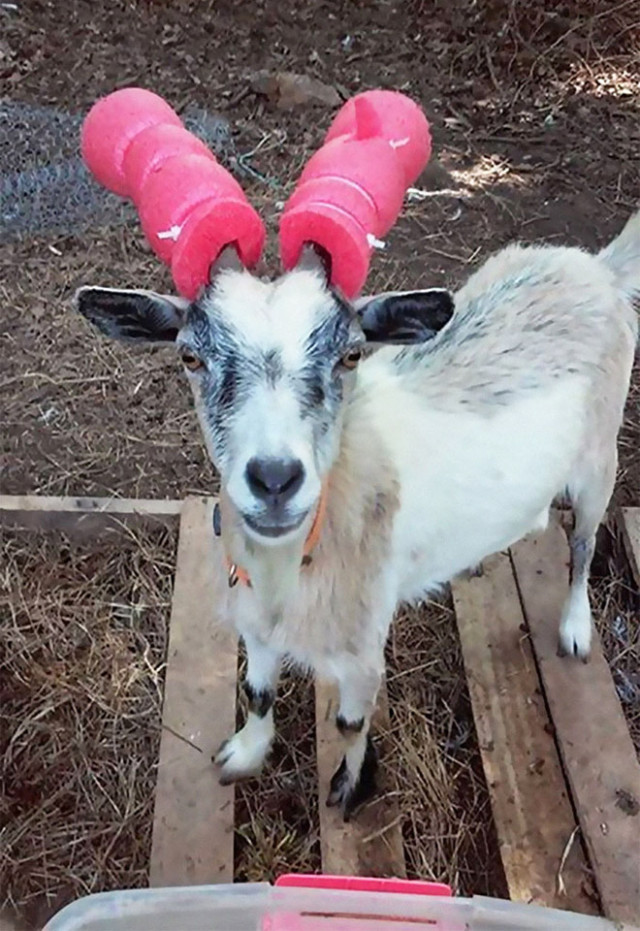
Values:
[(424, 457)]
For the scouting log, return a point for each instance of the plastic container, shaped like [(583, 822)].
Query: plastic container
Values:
[(313, 904)]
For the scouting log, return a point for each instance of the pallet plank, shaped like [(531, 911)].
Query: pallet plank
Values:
[(531, 808), (85, 517), (371, 843), (631, 533), (193, 818), (591, 731)]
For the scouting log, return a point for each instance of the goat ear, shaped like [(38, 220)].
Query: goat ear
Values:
[(405, 316), (132, 316), (315, 258), (227, 261)]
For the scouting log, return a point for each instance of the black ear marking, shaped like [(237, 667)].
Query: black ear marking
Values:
[(405, 316), (132, 316)]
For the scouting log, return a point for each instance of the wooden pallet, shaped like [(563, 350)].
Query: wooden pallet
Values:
[(555, 746), (562, 772)]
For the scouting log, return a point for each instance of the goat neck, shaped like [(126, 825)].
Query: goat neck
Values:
[(272, 569)]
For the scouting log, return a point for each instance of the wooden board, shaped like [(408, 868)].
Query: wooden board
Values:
[(531, 808), (630, 520), (193, 818), (85, 517), (371, 843), (596, 749)]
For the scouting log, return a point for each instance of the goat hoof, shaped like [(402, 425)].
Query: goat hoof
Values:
[(350, 795), (240, 757), (575, 629), (570, 646), (563, 651), (217, 756)]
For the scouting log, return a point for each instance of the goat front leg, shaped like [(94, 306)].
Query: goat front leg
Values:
[(355, 779), (243, 755)]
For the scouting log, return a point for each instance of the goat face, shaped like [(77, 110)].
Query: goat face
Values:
[(274, 369), (270, 364)]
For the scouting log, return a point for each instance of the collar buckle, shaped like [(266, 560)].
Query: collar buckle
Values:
[(232, 576)]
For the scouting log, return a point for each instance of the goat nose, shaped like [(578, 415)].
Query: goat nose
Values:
[(274, 480)]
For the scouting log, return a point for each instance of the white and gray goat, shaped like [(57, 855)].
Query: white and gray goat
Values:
[(427, 457)]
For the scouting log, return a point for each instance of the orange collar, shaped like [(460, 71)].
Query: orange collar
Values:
[(238, 574)]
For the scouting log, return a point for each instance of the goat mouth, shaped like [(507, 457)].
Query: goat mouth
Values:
[(274, 530)]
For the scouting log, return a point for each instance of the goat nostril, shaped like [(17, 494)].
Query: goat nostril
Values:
[(293, 478), (274, 478), (257, 483)]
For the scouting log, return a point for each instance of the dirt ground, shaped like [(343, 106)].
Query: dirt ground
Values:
[(535, 127), (534, 112)]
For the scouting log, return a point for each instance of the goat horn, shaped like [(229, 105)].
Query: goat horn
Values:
[(351, 190), (190, 207)]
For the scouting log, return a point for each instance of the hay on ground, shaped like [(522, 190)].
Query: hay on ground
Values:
[(82, 651)]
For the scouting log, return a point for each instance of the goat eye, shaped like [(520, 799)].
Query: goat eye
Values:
[(351, 358), (190, 360)]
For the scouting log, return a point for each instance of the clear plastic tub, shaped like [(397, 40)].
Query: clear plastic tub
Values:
[(261, 907)]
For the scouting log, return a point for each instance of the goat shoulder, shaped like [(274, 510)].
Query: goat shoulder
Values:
[(529, 317)]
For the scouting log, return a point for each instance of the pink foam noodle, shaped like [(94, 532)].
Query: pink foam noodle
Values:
[(189, 205), (352, 189), (111, 126), (392, 116), (170, 194), (156, 145)]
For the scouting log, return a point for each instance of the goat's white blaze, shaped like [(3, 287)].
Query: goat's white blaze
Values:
[(273, 314), (270, 426), (278, 317)]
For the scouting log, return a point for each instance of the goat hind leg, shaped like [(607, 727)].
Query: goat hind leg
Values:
[(589, 505), (575, 625)]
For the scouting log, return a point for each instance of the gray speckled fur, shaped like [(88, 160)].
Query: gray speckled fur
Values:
[(528, 317)]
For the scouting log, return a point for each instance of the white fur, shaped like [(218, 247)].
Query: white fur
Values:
[(278, 316), (471, 486), (259, 309), (269, 425)]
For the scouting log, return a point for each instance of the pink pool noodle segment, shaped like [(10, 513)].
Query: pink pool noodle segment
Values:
[(351, 191), (190, 207)]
